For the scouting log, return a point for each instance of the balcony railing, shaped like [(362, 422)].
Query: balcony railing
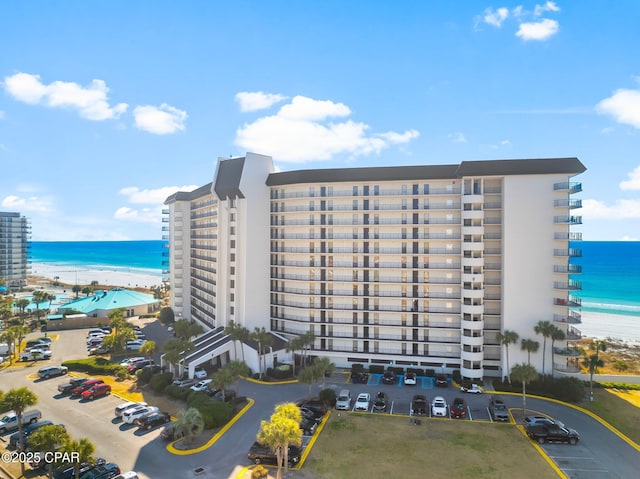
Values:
[(572, 302), (567, 268), (573, 334), (570, 285), (570, 252), (572, 220), (573, 318), (573, 236), (569, 352), (567, 203), (571, 186), (567, 368)]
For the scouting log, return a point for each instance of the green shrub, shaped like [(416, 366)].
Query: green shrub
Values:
[(167, 315), (237, 403), (144, 375), (214, 413), (98, 366), (160, 381), (176, 392)]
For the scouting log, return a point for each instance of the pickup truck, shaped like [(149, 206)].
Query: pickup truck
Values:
[(552, 433), (66, 388), (259, 454), (10, 421)]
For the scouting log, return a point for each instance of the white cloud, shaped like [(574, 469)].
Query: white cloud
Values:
[(253, 101), (143, 215), (160, 120), (91, 102), (26, 204), (628, 238), (623, 105), (619, 210), (547, 7), (539, 31), (495, 18), (457, 138), (300, 132), (153, 196), (633, 183)]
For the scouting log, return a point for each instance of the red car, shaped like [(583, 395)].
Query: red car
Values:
[(459, 408), (101, 389), (88, 384)]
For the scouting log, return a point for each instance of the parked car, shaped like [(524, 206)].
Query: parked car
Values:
[(343, 402), (441, 380), (66, 388), (88, 384), (381, 402), (262, 454), (120, 409), (170, 432), (14, 439), (48, 341), (309, 414), (552, 433), (217, 395), (410, 379), (99, 350), (94, 343), (128, 361), (98, 390), (389, 377), (153, 420), (50, 371), (135, 344), (419, 405), (459, 408), (359, 377), (498, 409), (68, 471), (530, 420), (154, 368), (9, 421), (130, 415), (471, 389), (201, 385), (36, 343), (127, 475), (362, 402), (34, 354), (308, 425), (133, 367), (439, 407), (102, 471), (200, 373), (318, 407), (184, 383)]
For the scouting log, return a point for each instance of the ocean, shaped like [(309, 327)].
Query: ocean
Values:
[(143, 257), (610, 269)]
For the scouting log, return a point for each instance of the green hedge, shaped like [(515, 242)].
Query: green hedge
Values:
[(175, 392), (214, 413), (159, 382), (99, 366)]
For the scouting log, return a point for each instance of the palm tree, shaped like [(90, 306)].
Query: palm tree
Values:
[(243, 336), (264, 339), (234, 330), (592, 363), (22, 304), (310, 375), (277, 434), (292, 346), (148, 348), (48, 439), (76, 289), (524, 373), (19, 400), (39, 296), (291, 411), (530, 346), (221, 379), (307, 340), (175, 350), (507, 338), (324, 367), (8, 336), (556, 335), (189, 423), (545, 328), (19, 332), (83, 449), (237, 369), (185, 329)]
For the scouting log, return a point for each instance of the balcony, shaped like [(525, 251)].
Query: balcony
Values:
[(572, 302), (571, 220), (567, 352), (573, 334), (570, 285), (567, 368), (570, 186), (567, 268), (571, 318), (569, 236), (570, 252)]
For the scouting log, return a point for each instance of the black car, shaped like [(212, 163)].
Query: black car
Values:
[(102, 471), (359, 377), (441, 380), (66, 388), (308, 425), (381, 402), (389, 377), (419, 406), (319, 408), (67, 471), (153, 420), (216, 394), (552, 433), (259, 454)]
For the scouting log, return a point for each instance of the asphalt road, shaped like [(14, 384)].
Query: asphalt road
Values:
[(599, 454)]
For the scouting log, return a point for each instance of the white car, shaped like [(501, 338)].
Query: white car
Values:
[(135, 345), (410, 379), (362, 402), (35, 353), (129, 361), (473, 389), (439, 407), (200, 373), (130, 415), (122, 408), (201, 385)]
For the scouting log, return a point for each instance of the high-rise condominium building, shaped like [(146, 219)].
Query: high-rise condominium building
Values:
[(15, 233), (406, 265)]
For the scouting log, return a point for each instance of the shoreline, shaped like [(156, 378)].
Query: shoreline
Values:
[(624, 328), (105, 276)]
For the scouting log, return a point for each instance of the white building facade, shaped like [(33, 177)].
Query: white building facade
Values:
[(15, 232), (410, 266)]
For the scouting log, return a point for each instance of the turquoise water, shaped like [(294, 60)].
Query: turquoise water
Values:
[(610, 269)]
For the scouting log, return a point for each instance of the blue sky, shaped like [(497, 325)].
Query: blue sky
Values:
[(106, 108)]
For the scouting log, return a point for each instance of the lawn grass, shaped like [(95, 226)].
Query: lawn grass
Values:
[(373, 446), (618, 408)]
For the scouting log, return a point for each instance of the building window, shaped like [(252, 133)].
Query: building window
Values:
[(232, 244), (355, 191)]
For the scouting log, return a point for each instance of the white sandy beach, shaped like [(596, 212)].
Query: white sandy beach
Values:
[(617, 326), (106, 276)]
